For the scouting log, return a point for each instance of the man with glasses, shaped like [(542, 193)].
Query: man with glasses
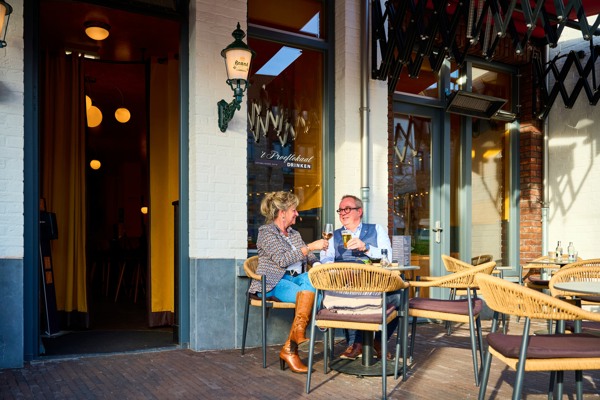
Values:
[(366, 243)]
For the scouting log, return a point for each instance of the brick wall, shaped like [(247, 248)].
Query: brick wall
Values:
[(217, 168), (12, 137), (530, 181)]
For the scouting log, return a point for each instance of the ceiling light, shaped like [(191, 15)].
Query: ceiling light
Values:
[(122, 115), (97, 30), (95, 164), (94, 117)]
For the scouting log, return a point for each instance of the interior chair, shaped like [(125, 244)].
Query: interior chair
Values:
[(350, 278), (265, 304), (465, 310), (525, 352), (481, 259), (588, 270)]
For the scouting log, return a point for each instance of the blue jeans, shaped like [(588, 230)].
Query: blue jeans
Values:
[(289, 286), (353, 336)]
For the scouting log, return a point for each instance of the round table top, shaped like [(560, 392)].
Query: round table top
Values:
[(589, 287)]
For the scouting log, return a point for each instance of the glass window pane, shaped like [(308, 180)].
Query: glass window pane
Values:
[(285, 132), (304, 17)]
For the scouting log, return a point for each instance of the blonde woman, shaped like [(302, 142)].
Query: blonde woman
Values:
[(282, 258)]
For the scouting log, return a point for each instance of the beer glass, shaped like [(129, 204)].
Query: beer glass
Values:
[(346, 236)]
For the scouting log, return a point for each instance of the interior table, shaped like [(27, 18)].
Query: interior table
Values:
[(368, 365)]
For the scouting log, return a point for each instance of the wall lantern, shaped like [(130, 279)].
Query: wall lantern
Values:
[(5, 11), (238, 57)]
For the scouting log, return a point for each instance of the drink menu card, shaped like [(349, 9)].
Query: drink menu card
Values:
[(401, 249)]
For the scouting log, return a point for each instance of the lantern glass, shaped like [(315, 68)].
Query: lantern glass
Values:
[(237, 62)]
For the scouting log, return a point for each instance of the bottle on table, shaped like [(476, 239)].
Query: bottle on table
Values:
[(385, 261), (571, 251), (559, 251)]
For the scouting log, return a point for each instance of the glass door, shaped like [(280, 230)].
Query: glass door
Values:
[(420, 184)]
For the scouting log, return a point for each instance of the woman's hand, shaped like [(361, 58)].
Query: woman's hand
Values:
[(320, 244)]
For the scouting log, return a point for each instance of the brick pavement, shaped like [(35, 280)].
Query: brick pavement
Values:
[(442, 370)]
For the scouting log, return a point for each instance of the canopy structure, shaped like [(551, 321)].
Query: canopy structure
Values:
[(406, 33)]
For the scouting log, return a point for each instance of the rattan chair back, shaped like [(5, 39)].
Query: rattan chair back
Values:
[(508, 298), (581, 272)]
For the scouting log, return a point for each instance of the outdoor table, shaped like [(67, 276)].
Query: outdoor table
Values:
[(583, 287), (367, 365)]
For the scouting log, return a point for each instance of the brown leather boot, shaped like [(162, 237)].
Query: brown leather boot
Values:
[(289, 355), (304, 304)]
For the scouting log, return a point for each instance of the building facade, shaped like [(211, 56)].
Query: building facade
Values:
[(452, 182)]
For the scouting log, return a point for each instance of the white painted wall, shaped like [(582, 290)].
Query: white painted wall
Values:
[(574, 164), (347, 118), (12, 137), (218, 227)]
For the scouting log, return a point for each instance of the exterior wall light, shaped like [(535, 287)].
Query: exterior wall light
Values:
[(5, 11), (238, 57)]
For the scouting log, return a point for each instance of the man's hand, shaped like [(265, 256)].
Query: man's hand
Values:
[(356, 244)]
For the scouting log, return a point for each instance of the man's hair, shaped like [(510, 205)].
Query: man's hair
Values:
[(357, 201)]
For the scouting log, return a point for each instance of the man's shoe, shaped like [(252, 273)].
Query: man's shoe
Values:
[(377, 347), (352, 352)]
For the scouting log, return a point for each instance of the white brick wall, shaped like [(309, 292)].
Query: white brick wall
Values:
[(12, 137), (347, 118), (218, 226), (574, 164)]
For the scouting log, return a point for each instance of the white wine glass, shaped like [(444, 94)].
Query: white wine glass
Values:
[(327, 231)]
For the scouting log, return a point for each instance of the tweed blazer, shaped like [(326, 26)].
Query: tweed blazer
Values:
[(275, 254)]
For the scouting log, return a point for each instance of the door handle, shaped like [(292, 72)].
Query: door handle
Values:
[(438, 231)]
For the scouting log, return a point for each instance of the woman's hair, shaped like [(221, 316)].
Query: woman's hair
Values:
[(275, 201)]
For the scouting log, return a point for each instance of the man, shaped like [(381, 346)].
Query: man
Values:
[(366, 243)]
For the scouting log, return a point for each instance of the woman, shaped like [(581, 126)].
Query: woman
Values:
[(282, 258)]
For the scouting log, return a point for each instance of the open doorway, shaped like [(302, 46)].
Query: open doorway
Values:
[(109, 184)]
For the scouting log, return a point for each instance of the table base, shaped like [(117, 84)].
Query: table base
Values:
[(356, 367)]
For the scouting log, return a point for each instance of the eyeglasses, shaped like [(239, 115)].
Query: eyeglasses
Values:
[(346, 210)]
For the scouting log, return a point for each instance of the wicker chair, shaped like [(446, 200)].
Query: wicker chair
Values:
[(462, 310), (481, 259), (560, 352), (359, 279), (588, 270), (250, 266)]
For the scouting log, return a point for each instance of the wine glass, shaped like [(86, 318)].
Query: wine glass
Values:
[(327, 231)]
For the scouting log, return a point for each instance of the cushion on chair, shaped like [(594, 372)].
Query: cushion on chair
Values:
[(537, 280), (460, 307), (332, 315), (592, 299), (254, 296), (352, 303), (577, 345), (590, 326)]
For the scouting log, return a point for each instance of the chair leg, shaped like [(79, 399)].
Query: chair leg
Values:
[(120, 280), (326, 348), (264, 332), (449, 323), (245, 331), (551, 385), (486, 365), (579, 384), (518, 388), (311, 347), (479, 338), (559, 384), (384, 352), (473, 340), (412, 337)]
